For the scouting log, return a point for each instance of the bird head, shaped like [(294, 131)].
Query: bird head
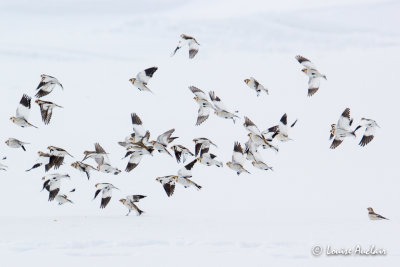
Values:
[(43, 75), (7, 142), (254, 163), (12, 119), (132, 80), (333, 126), (122, 200), (44, 177), (75, 164), (158, 179), (370, 209), (304, 70), (37, 101), (247, 81)]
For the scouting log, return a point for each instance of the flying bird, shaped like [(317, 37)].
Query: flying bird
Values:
[(204, 105), (237, 160), (106, 190), (15, 143), (102, 160), (255, 85), (186, 171), (52, 183), (62, 199), (129, 202), (44, 158), (181, 152), (202, 143), (191, 42), (46, 109), (374, 216), (162, 142), (47, 85), (208, 159), (313, 74), (251, 127), (280, 131), (83, 167), (168, 183), (219, 108), (142, 78), (342, 129), (371, 126), (22, 113)]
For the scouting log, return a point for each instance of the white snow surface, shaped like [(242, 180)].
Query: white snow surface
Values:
[(314, 196)]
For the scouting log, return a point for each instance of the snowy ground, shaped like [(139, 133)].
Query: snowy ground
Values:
[(315, 196)]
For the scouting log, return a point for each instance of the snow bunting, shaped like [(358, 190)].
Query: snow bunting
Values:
[(237, 160), (136, 153), (204, 106), (62, 199), (186, 182), (162, 142), (83, 167), (280, 131), (201, 143), (191, 42), (22, 113), (96, 155), (43, 159), (186, 171), (373, 216), (181, 152), (57, 156), (208, 159), (46, 109), (259, 140), (369, 131), (52, 183), (142, 78), (106, 190), (58, 152), (15, 143), (313, 74), (140, 132), (220, 109), (47, 85), (168, 183), (129, 203), (255, 85), (342, 129), (261, 165)]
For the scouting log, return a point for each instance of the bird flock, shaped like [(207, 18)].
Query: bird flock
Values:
[(139, 146)]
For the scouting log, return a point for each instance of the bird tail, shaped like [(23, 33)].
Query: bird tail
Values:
[(23, 147)]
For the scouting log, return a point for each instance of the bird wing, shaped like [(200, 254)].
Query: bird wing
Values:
[(336, 142), (368, 136), (134, 160), (145, 75), (344, 120), (283, 129), (180, 44), (169, 188), (203, 114), (137, 126), (164, 138), (237, 156), (305, 62), (193, 48), (251, 127), (198, 92), (313, 85), (100, 160), (24, 107), (216, 101)]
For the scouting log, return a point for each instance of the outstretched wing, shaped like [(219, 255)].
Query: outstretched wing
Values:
[(24, 107), (145, 75)]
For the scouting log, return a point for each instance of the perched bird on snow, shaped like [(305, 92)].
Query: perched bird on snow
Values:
[(280, 131), (15, 143), (83, 167), (191, 42), (255, 85), (369, 131), (313, 74), (204, 106), (62, 199), (129, 202), (342, 129), (106, 190), (142, 78), (237, 160), (202, 143), (46, 109), (373, 216), (52, 183), (219, 108), (47, 85), (181, 152), (22, 113), (168, 183)]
